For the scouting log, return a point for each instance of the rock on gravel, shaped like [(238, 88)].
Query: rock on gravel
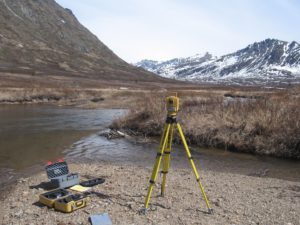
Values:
[(236, 199)]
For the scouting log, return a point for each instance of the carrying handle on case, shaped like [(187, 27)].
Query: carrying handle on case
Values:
[(80, 203)]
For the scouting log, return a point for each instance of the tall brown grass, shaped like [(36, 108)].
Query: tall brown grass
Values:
[(265, 124)]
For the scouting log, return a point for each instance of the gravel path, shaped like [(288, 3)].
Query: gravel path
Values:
[(236, 199)]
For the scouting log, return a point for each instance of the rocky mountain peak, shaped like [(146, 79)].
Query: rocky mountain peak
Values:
[(267, 61)]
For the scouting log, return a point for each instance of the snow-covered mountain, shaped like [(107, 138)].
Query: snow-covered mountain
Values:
[(267, 62)]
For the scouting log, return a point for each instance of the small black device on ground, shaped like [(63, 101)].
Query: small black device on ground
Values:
[(92, 182)]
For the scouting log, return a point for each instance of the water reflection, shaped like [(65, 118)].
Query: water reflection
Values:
[(31, 134)]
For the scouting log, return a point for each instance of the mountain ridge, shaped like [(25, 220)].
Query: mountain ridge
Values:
[(41, 37), (268, 61)]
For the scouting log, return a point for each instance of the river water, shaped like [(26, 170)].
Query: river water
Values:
[(30, 135)]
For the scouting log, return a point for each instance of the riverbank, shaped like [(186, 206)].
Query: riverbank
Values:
[(264, 123), (88, 98), (236, 199)]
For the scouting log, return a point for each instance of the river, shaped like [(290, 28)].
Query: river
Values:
[(30, 135)]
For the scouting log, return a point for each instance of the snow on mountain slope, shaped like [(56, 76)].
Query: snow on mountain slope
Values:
[(174, 68), (268, 61)]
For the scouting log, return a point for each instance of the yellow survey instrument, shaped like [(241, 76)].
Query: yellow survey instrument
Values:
[(172, 104)]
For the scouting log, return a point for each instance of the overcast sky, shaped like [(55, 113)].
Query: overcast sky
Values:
[(164, 29)]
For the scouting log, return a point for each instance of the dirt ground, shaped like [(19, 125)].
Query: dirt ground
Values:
[(236, 199)]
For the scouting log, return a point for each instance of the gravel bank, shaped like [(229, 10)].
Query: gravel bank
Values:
[(236, 199)]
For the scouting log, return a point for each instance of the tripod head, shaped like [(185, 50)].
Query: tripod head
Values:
[(172, 104)]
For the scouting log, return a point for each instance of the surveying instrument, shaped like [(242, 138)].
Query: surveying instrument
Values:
[(172, 104)]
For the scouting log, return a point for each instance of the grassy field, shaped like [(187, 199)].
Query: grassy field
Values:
[(253, 121)]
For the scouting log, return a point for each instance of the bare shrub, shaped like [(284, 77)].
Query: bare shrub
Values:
[(268, 124)]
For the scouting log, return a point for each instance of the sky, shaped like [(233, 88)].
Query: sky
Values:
[(165, 29)]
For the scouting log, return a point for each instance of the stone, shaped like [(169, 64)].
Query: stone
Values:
[(130, 204), (28, 211), (25, 193), (18, 213)]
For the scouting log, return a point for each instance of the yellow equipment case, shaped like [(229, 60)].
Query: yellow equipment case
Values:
[(50, 197), (72, 202)]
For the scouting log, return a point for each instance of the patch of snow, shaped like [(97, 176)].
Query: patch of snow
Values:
[(292, 69)]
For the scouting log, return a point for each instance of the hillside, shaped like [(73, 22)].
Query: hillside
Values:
[(267, 62), (39, 37)]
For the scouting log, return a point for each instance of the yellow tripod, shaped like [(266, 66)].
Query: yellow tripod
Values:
[(165, 149)]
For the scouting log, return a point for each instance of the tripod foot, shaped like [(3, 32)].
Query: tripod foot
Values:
[(210, 211), (143, 211)]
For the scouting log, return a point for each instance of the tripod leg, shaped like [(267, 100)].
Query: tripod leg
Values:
[(166, 160), (163, 136), (157, 164), (193, 167)]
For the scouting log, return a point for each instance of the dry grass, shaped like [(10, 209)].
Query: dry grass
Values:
[(30, 95), (79, 97), (265, 123)]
